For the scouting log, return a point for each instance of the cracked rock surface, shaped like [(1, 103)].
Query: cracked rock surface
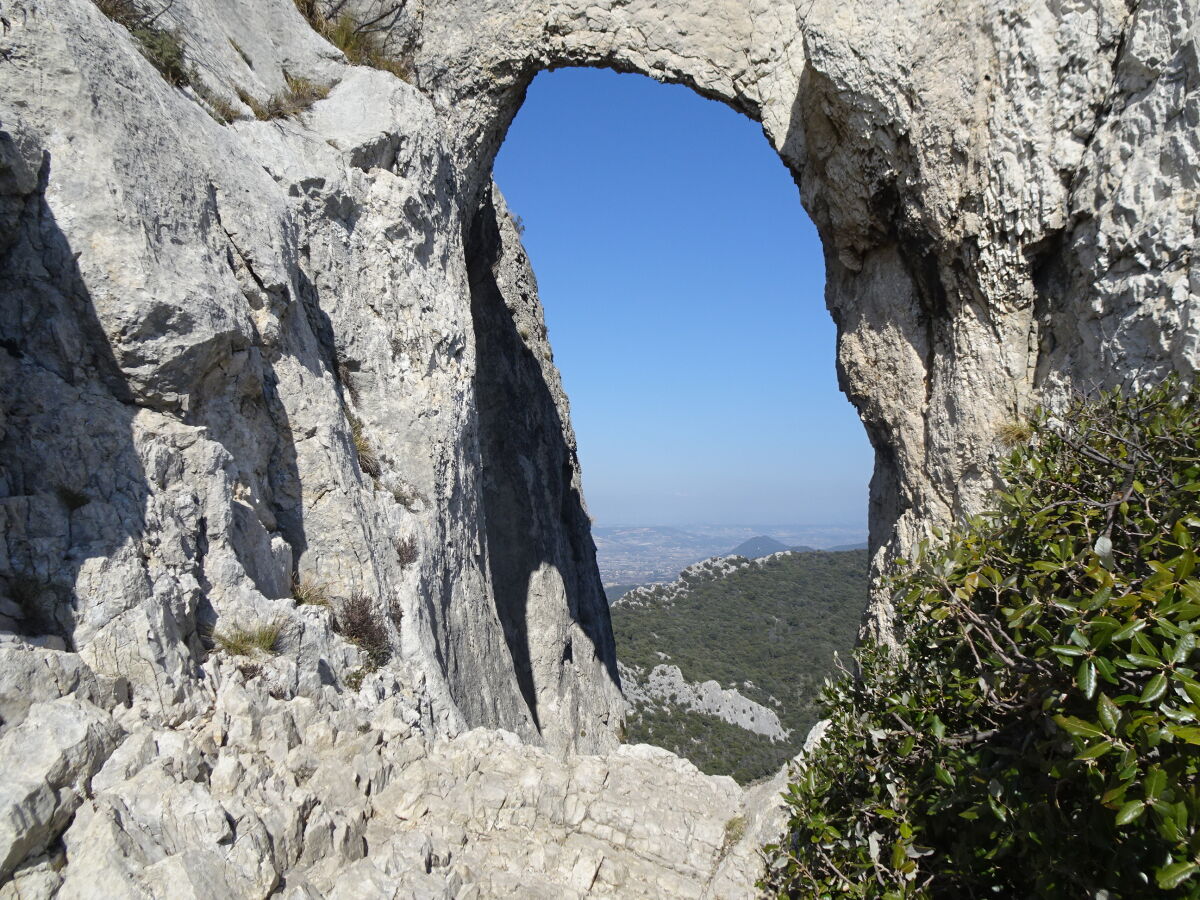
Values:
[(256, 375)]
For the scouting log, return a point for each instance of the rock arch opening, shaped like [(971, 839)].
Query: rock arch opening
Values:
[(761, 354)]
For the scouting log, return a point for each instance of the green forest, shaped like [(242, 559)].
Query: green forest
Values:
[(770, 630)]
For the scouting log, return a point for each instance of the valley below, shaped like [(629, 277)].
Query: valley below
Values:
[(724, 665)]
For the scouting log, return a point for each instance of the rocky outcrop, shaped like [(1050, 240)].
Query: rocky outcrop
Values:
[(245, 363), (665, 684), (267, 796)]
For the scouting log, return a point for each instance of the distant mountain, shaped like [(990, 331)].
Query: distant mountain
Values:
[(766, 629), (861, 545), (758, 547)]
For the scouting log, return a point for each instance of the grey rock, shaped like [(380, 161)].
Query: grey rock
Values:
[(49, 760), (234, 357)]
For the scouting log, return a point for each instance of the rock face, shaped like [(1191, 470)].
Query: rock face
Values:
[(304, 357), (666, 684)]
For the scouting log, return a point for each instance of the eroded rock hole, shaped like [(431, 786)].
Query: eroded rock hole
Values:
[(682, 287)]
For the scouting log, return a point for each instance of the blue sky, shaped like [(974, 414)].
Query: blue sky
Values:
[(683, 285)]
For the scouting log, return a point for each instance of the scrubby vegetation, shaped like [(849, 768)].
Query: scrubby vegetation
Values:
[(366, 40), (161, 46), (357, 621), (714, 745), (1037, 731), (770, 630), (243, 640)]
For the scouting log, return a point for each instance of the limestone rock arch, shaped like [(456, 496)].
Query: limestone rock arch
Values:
[(956, 160)]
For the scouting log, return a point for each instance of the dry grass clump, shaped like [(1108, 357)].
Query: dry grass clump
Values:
[(364, 41), (1014, 434), (307, 591), (368, 461), (300, 95), (356, 621), (240, 640)]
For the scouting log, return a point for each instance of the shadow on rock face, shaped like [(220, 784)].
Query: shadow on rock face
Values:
[(73, 490), (538, 531)]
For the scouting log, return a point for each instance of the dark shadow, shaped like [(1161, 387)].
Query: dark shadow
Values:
[(533, 514), (64, 405)]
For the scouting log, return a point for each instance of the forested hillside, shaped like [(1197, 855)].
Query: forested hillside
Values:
[(768, 628)]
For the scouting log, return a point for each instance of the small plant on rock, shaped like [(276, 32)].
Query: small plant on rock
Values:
[(406, 551), (367, 460), (1014, 434), (71, 498), (365, 39), (240, 640), (161, 46), (357, 622), (300, 95), (307, 591)]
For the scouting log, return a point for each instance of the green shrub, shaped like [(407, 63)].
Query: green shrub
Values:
[(1037, 732), (240, 640)]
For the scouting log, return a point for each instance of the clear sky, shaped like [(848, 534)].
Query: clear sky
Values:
[(684, 293)]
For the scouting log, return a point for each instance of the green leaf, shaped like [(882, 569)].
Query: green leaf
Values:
[(1175, 874), (1185, 733), (1108, 712), (1067, 650), (1127, 631), (1183, 649), (1129, 812), (1095, 751), (1078, 727), (1145, 662), (1155, 688), (1085, 677), (1156, 780)]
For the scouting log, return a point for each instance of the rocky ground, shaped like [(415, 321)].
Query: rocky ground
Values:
[(260, 796)]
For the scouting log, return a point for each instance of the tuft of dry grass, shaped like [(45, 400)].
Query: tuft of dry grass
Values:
[(240, 640), (368, 461), (300, 95), (1013, 434), (356, 621), (307, 591)]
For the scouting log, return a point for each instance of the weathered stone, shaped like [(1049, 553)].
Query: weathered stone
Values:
[(236, 359)]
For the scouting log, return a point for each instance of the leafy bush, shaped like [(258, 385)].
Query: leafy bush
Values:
[(240, 640), (357, 622), (1037, 731)]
